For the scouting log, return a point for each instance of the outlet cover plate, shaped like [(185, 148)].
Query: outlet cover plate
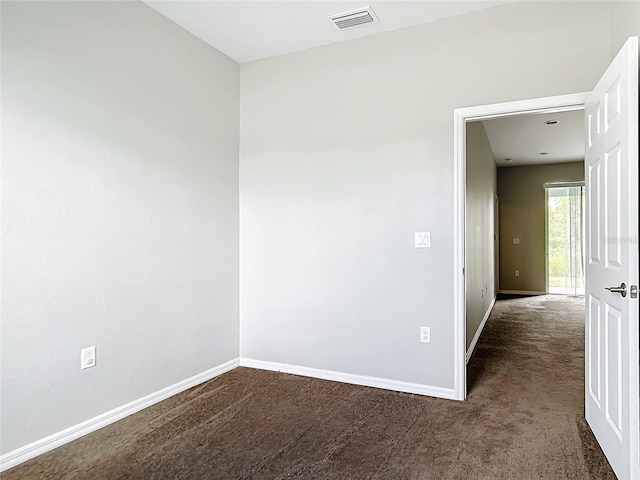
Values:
[(425, 334), (87, 357)]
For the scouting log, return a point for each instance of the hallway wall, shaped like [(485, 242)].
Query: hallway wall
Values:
[(522, 215), (479, 240)]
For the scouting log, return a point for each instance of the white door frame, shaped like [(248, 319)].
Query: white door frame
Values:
[(561, 103)]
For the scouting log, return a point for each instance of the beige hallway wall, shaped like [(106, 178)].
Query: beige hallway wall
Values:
[(522, 215), (479, 256)]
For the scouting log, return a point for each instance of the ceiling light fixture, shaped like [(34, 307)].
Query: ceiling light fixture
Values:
[(552, 122), (508, 160), (544, 153)]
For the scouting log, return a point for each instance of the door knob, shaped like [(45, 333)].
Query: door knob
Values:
[(622, 289)]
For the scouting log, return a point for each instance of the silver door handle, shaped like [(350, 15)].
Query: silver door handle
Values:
[(622, 289)]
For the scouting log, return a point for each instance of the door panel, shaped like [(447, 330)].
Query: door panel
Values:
[(594, 347), (612, 207), (613, 362), (594, 208), (611, 343)]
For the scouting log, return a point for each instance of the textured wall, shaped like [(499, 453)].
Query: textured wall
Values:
[(119, 210), (347, 150), (625, 23)]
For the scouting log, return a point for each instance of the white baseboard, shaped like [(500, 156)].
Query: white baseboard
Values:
[(479, 331), (350, 378), (22, 454), (522, 292)]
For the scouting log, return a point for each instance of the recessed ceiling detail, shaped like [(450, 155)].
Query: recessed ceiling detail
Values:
[(354, 18), (536, 138)]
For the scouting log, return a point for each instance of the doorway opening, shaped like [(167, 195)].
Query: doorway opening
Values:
[(565, 255), (611, 328), (520, 206), (463, 116), (527, 331)]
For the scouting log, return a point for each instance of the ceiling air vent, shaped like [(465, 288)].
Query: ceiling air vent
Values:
[(354, 17)]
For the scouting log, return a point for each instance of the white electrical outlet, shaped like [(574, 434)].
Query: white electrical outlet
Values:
[(425, 334), (87, 357), (517, 273)]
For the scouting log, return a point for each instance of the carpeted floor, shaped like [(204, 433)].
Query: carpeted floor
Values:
[(523, 420)]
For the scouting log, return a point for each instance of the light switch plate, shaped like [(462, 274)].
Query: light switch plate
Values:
[(516, 241), (423, 239)]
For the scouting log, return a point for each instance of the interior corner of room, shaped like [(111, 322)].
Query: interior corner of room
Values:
[(185, 213)]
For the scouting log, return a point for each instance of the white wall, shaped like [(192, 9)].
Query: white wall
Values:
[(120, 194), (347, 150), (481, 188), (119, 210), (625, 23)]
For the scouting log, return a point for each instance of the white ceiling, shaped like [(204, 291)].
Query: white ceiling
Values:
[(523, 137), (253, 30)]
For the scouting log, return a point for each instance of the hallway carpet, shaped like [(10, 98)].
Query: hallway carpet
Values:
[(523, 420)]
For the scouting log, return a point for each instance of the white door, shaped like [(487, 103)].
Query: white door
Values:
[(611, 175)]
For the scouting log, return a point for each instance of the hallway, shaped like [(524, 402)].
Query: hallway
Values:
[(529, 361)]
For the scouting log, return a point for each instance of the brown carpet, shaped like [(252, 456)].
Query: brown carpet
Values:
[(523, 420)]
